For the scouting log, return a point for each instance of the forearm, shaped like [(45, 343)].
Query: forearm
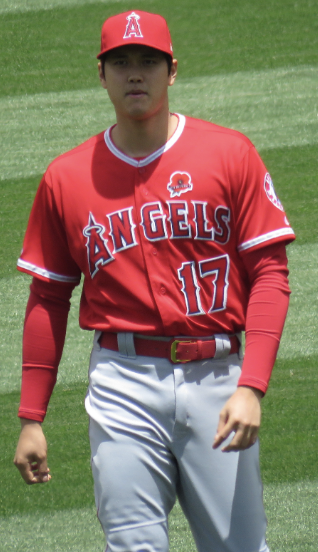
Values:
[(43, 341), (265, 318), (265, 322)]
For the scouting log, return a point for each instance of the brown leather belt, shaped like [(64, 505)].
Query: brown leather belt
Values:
[(176, 350)]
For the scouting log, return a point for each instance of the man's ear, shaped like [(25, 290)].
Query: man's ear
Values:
[(102, 75), (173, 72)]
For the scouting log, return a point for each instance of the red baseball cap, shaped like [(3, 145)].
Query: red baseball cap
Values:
[(136, 27)]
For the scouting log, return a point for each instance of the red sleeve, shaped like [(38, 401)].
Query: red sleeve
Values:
[(266, 313), (43, 342), (260, 216), (46, 253)]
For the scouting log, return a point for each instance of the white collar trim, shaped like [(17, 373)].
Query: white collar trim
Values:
[(146, 160)]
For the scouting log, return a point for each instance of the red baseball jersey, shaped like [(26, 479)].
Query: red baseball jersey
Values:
[(160, 240)]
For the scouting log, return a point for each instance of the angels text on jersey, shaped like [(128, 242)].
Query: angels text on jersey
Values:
[(102, 245), (183, 221)]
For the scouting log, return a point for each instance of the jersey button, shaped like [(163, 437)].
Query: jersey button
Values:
[(154, 251), (145, 191), (163, 290), (141, 170)]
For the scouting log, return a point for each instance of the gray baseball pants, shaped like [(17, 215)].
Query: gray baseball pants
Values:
[(152, 425)]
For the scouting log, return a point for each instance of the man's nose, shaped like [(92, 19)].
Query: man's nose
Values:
[(135, 76), (135, 73)]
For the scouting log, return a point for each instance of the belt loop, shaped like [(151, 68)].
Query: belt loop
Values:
[(97, 336), (222, 346), (241, 351), (126, 346)]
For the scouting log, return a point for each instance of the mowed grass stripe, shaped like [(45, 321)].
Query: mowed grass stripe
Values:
[(14, 293), (275, 108), (292, 511), (300, 333), (19, 6), (299, 337)]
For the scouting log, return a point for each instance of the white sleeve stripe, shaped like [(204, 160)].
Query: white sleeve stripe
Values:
[(266, 237), (46, 273)]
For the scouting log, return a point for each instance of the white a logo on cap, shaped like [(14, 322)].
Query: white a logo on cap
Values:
[(133, 28)]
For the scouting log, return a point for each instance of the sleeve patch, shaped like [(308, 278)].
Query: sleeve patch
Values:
[(270, 192)]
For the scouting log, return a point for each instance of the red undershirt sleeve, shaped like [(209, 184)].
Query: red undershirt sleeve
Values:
[(266, 313), (43, 342)]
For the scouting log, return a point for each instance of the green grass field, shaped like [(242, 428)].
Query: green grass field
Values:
[(249, 65)]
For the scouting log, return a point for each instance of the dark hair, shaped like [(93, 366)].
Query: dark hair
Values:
[(167, 57), (102, 60), (169, 62)]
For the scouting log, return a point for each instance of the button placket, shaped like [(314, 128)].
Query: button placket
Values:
[(153, 253)]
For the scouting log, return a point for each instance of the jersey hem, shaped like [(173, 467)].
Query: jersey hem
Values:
[(32, 269)]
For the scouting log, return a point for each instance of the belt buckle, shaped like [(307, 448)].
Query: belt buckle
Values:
[(173, 353)]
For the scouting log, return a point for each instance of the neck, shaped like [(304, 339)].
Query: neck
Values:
[(140, 138)]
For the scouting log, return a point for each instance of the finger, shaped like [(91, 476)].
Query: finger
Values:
[(253, 438), (40, 475), (222, 435), (243, 439), (218, 438), (236, 444), (27, 474), (39, 478), (41, 471), (42, 478), (33, 472)]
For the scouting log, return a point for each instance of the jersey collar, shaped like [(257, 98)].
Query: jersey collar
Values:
[(146, 160)]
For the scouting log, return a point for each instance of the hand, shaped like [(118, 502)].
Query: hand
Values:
[(31, 454), (241, 414)]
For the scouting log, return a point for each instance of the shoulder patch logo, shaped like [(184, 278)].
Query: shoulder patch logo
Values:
[(270, 192), (133, 27), (180, 183)]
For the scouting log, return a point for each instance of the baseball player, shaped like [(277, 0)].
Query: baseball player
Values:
[(176, 227)]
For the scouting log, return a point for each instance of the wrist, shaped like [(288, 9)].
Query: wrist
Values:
[(257, 392), (26, 422)]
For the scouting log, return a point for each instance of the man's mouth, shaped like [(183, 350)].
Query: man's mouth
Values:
[(136, 93)]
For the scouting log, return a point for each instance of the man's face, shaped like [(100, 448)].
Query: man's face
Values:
[(136, 78)]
